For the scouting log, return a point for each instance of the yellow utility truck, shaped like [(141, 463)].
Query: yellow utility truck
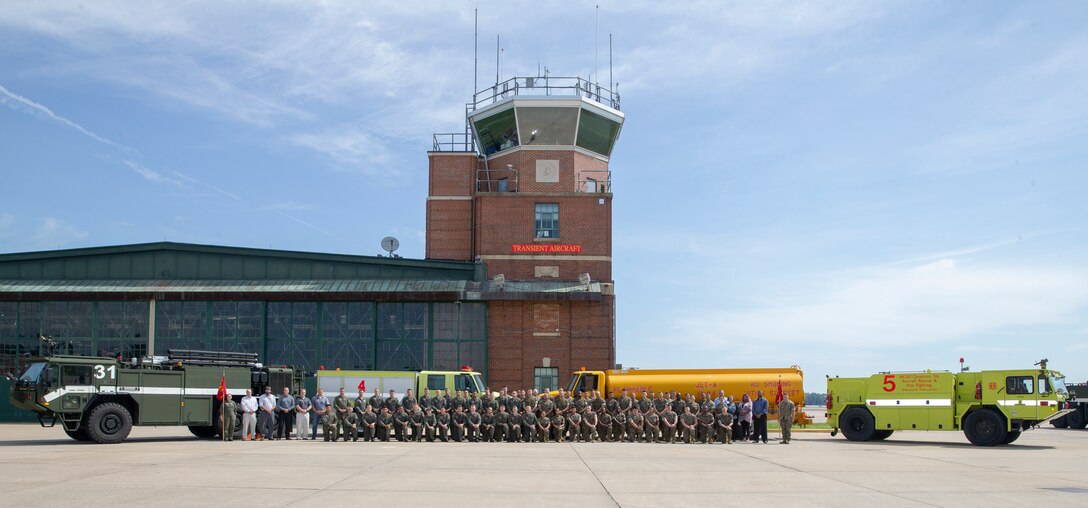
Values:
[(734, 382), (991, 407)]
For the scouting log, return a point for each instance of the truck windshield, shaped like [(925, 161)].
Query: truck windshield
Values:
[(33, 373), (468, 382), (1058, 386), (573, 382)]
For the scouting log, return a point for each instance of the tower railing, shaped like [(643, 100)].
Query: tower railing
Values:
[(547, 85)]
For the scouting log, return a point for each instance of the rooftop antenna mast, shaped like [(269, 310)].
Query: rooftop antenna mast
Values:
[(475, 53), (496, 60), (596, 25), (611, 82)]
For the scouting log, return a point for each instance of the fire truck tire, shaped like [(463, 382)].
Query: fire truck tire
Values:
[(203, 431), (1060, 423), (880, 435), (78, 435), (109, 423), (857, 424), (985, 427), (1076, 419), (1013, 436)]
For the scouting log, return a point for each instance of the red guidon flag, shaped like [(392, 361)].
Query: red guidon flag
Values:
[(222, 389), (778, 395), (362, 385)]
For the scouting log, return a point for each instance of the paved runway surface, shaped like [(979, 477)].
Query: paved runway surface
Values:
[(168, 467)]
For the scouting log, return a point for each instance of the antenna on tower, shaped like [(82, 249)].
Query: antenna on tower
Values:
[(611, 82), (596, 25), (496, 60), (475, 53)]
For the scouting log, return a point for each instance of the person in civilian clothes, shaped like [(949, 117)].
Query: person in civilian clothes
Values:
[(760, 406), (303, 406), (249, 416), (285, 409), (267, 417), (321, 406)]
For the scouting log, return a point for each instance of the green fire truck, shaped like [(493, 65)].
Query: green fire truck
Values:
[(991, 407), (100, 399)]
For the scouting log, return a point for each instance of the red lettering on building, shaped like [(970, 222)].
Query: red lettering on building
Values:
[(547, 248)]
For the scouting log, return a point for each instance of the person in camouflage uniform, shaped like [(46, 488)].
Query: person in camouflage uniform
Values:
[(443, 420), (543, 427), (611, 404), (408, 402), (653, 425), (392, 403), (430, 424), (574, 425), (528, 426), (644, 404), (457, 424), (425, 399), (604, 426), (416, 421), (634, 426), (619, 425), (502, 424), (473, 421), (724, 422), (331, 426), (547, 404), (688, 424), (786, 414), (562, 402), (459, 401), (487, 425), (625, 403), (589, 425), (376, 402), (514, 430), (385, 425), (341, 407), (400, 423), (597, 402), (706, 426), (669, 420), (580, 402), (559, 427), (351, 426), (367, 423), (659, 403)]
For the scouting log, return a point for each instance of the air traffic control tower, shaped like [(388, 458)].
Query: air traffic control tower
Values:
[(527, 190)]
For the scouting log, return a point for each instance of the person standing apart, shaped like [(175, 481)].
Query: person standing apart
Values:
[(303, 406), (759, 417), (249, 416), (266, 424), (785, 418), (230, 417)]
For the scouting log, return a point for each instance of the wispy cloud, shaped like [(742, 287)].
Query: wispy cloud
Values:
[(53, 233), (152, 175), (352, 150), (18, 102)]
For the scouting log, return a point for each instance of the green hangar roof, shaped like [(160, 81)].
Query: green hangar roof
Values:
[(174, 261)]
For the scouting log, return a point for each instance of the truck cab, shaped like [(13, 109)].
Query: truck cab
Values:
[(586, 381), (53, 386)]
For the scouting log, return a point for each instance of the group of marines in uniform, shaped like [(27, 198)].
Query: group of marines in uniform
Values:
[(526, 416)]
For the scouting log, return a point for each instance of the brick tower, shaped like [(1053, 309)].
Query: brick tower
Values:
[(526, 190)]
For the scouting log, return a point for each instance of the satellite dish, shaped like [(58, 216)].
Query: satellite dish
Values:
[(390, 244)]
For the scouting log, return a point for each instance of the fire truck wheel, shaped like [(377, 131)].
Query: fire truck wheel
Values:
[(880, 435), (109, 423), (1060, 423), (1013, 436), (1076, 419), (857, 424), (78, 435), (985, 428)]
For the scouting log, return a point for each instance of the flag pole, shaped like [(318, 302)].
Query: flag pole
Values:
[(223, 410)]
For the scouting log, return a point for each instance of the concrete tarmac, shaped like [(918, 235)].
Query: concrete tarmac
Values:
[(166, 466)]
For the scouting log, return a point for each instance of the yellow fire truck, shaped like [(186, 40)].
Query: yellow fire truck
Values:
[(991, 407)]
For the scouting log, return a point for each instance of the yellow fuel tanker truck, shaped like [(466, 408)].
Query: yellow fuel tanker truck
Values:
[(734, 382)]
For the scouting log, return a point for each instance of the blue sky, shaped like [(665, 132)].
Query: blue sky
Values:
[(851, 187)]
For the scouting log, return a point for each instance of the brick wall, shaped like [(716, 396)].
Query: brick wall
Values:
[(518, 339)]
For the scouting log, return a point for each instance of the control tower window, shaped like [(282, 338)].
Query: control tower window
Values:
[(547, 220), (547, 126), (497, 132), (597, 133)]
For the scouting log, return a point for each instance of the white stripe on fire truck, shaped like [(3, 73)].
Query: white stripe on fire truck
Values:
[(1027, 402), (133, 390), (910, 402)]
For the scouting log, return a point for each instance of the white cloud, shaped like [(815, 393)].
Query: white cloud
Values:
[(54, 233), (352, 149), (942, 301), (152, 175)]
